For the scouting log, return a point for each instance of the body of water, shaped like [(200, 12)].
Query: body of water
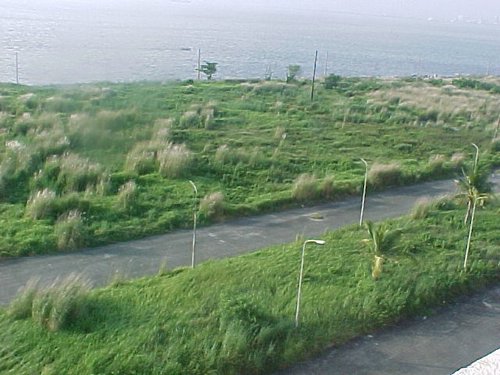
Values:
[(73, 41)]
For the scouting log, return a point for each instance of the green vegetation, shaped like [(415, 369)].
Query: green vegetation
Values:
[(112, 161), (236, 316)]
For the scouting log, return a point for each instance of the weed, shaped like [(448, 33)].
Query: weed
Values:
[(212, 205), (305, 187), (21, 306), (385, 174), (70, 231), (41, 205), (127, 196), (174, 160), (62, 304)]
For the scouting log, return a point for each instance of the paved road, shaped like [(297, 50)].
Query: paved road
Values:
[(145, 256), (438, 345)]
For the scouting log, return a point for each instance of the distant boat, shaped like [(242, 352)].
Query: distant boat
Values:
[(186, 49)]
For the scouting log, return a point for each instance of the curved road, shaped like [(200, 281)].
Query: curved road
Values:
[(145, 257), (453, 338)]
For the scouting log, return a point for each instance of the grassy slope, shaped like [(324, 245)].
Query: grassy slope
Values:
[(236, 315), (381, 120)]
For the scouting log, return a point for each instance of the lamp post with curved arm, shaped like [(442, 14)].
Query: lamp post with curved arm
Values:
[(301, 274), (363, 199), (476, 159), (193, 249)]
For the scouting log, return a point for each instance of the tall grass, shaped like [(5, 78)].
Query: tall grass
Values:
[(76, 173), (212, 205), (62, 304), (174, 160), (305, 187), (385, 174), (109, 134), (70, 230), (142, 157), (41, 205), (235, 316), (127, 196), (21, 306)]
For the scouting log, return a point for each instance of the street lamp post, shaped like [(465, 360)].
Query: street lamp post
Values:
[(476, 159), (297, 310), (193, 249), (364, 193)]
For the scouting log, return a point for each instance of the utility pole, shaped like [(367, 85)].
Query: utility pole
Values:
[(314, 75), (199, 64), (326, 64), (496, 129), (17, 68)]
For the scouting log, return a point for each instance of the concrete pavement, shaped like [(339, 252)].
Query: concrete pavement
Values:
[(441, 344)]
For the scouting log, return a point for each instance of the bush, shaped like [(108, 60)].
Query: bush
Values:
[(70, 231), (332, 81), (212, 205), (305, 187), (385, 174)]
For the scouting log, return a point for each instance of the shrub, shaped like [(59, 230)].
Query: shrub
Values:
[(127, 195), (70, 231), (174, 160), (332, 81), (41, 205), (385, 174), (62, 304), (305, 187), (212, 205)]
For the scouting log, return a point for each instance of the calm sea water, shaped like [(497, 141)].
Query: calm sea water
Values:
[(71, 41)]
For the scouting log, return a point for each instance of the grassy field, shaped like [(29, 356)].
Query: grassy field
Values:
[(92, 164), (236, 316)]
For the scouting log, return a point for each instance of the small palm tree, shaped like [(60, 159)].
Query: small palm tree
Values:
[(473, 183), (475, 198), (381, 240)]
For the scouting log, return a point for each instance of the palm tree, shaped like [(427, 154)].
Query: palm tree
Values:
[(473, 183), (475, 198), (381, 240)]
